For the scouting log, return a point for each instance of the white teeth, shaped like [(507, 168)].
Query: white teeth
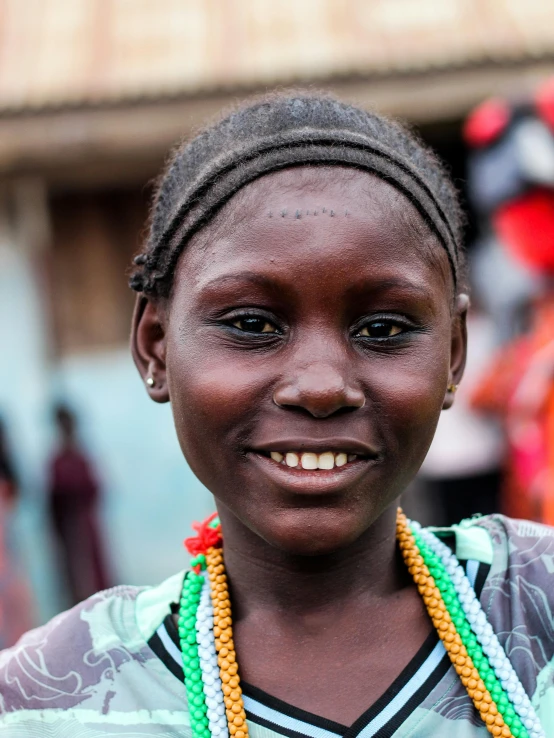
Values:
[(341, 459), (326, 460), (292, 459), (309, 461)]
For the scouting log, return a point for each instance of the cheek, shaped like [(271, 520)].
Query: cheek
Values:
[(412, 394), (212, 399)]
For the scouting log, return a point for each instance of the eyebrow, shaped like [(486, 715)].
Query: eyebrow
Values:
[(251, 277), (248, 285), (391, 283), (385, 285)]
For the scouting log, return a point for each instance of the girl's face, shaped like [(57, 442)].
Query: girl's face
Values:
[(315, 315)]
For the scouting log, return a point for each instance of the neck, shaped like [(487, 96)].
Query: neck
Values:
[(264, 578)]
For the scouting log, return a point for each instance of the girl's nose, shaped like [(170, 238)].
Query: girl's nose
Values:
[(320, 390)]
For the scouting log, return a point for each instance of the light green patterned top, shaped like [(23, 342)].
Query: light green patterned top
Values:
[(96, 671)]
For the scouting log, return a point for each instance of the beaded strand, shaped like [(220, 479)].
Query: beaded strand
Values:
[(469, 640), (189, 649), (477, 619), (225, 647), (448, 633), (217, 721)]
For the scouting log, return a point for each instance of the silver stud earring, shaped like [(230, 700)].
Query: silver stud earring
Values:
[(150, 381)]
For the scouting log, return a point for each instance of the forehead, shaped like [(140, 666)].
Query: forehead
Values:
[(316, 219)]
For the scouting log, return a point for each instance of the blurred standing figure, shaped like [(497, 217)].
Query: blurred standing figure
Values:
[(74, 496), (15, 606)]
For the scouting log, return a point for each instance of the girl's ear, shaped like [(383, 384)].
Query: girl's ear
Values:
[(148, 347), (458, 348)]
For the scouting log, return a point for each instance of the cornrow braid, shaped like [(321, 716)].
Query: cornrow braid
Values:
[(278, 132)]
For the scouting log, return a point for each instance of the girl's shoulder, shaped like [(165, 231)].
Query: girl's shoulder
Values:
[(517, 550), (516, 560), (514, 550), (519, 588), (90, 663)]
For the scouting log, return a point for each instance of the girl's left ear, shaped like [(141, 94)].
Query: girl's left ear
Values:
[(148, 347), (458, 348)]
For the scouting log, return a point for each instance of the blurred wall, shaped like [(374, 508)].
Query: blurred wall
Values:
[(24, 389)]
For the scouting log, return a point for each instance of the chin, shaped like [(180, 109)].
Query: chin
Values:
[(315, 531)]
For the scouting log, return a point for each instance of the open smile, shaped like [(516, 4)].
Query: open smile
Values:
[(314, 467), (311, 460)]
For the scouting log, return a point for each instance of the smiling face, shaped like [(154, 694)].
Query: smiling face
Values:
[(310, 325)]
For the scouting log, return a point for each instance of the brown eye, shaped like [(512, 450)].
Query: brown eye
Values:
[(380, 329), (254, 325)]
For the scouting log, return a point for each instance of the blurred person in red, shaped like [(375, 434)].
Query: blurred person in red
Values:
[(512, 181), (15, 605), (73, 496)]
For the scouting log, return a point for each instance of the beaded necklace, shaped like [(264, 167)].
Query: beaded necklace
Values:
[(209, 660)]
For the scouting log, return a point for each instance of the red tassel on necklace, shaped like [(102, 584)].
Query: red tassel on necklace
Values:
[(207, 537)]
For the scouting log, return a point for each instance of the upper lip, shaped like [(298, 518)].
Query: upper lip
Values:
[(319, 445)]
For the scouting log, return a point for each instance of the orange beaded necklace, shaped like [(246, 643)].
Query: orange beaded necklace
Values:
[(223, 634), (446, 630)]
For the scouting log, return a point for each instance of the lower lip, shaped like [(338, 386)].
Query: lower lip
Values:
[(313, 481)]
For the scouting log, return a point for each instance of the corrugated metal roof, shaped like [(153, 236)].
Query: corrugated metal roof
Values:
[(71, 52)]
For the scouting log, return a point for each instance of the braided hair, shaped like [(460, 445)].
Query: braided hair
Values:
[(280, 131)]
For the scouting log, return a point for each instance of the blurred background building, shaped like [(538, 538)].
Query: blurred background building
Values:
[(93, 93)]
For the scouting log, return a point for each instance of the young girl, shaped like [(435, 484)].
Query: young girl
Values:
[(301, 305)]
